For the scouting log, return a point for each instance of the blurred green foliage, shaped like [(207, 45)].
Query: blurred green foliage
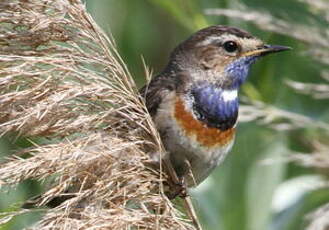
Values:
[(239, 195)]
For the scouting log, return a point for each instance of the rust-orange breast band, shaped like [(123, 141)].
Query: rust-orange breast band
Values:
[(209, 137)]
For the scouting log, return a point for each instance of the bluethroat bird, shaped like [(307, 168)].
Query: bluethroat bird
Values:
[(194, 100)]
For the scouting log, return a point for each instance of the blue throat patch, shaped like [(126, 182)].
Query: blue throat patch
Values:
[(238, 71), (210, 107)]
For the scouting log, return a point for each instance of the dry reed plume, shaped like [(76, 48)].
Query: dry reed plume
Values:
[(61, 78)]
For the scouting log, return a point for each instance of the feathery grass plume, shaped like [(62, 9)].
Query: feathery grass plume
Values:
[(62, 78), (318, 159), (277, 118), (320, 219), (317, 91), (316, 38)]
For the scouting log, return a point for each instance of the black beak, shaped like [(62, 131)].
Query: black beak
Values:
[(267, 49)]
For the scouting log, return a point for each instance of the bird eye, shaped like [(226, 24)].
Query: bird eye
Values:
[(230, 46)]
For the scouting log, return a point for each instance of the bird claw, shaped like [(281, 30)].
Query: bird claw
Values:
[(177, 189)]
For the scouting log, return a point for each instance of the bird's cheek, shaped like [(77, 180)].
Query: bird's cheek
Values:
[(221, 63)]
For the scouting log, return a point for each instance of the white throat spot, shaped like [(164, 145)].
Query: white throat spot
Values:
[(229, 95)]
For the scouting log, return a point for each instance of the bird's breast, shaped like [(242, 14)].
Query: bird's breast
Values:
[(185, 137), (204, 147), (206, 136), (214, 106)]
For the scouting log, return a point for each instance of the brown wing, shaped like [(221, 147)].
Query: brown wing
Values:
[(153, 92)]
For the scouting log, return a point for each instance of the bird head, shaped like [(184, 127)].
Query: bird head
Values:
[(220, 55)]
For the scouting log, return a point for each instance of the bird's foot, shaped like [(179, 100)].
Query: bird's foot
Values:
[(177, 189)]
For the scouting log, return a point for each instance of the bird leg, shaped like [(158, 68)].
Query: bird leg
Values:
[(177, 189), (177, 185)]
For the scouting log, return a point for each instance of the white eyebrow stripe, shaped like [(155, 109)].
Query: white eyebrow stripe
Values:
[(229, 95), (247, 43), (209, 40), (218, 38)]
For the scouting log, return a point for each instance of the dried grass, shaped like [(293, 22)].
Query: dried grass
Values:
[(318, 159), (319, 219), (277, 118), (317, 91), (61, 78)]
